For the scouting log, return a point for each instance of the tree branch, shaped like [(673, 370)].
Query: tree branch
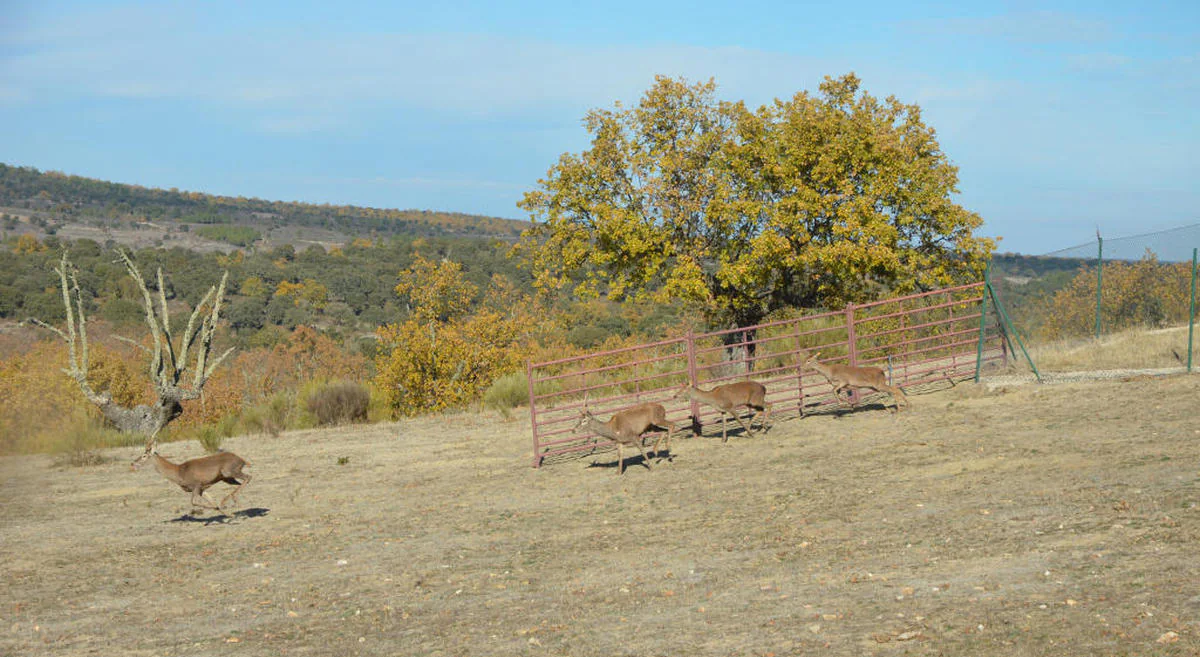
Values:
[(166, 325), (156, 361), (46, 326), (133, 342)]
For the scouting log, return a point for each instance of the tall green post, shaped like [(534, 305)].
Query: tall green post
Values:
[(1099, 278), (1192, 311), (987, 286)]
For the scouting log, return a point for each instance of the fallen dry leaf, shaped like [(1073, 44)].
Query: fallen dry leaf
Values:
[(1167, 637)]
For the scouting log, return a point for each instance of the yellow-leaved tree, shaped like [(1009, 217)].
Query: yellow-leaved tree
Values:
[(1141, 294), (812, 201), (445, 357)]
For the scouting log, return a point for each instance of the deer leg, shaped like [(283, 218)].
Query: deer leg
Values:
[(848, 399), (620, 460), (245, 479), (199, 499), (766, 416), (670, 432), (659, 440), (737, 417), (724, 435), (646, 457)]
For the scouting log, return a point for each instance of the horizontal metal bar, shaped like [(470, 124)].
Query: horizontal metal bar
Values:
[(606, 368), (939, 336), (778, 322), (913, 311), (938, 362), (918, 295), (951, 320), (608, 384), (571, 359)]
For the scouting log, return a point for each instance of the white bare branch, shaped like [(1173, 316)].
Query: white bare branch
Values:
[(132, 342), (145, 419)]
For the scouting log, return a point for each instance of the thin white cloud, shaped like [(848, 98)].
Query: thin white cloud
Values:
[(1098, 62), (295, 125), (414, 182), (1029, 27), (153, 56)]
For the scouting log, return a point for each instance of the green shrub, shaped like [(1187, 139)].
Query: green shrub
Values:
[(339, 403), (237, 235), (80, 446), (228, 425), (270, 417), (511, 391), (210, 439)]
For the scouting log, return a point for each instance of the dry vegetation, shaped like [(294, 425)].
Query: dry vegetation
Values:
[(1034, 521), (1132, 349)]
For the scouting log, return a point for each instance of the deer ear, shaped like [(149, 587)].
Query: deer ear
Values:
[(816, 355)]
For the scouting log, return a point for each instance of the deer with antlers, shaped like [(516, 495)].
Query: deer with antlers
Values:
[(626, 427), (845, 377), (725, 398), (198, 475)]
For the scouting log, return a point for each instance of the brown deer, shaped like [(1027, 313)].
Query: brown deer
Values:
[(845, 377), (626, 427), (197, 475), (725, 398)]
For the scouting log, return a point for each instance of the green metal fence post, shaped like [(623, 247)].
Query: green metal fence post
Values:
[(987, 284), (1012, 329), (1192, 311), (1099, 278)]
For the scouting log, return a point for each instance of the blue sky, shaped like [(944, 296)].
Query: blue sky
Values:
[(1062, 118)]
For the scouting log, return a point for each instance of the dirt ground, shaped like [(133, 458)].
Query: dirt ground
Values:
[(1030, 521)]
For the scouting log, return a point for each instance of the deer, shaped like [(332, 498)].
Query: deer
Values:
[(845, 377), (725, 398), (197, 475), (626, 427)]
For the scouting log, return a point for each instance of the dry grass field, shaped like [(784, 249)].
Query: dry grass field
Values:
[(1132, 349), (1051, 520)]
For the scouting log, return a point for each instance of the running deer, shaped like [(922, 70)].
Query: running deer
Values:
[(627, 426), (845, 377), (197, 475), (750, 394)]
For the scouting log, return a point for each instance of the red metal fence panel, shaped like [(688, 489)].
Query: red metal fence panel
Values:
[(917, 339)]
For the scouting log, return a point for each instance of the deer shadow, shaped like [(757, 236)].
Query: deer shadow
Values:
[(838, 411), (222, 518), (636, 460)]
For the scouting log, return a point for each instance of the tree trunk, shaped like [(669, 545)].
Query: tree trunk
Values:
[(143, 419), (740, 349)]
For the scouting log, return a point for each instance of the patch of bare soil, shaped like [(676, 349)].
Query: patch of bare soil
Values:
[(1043, 520)]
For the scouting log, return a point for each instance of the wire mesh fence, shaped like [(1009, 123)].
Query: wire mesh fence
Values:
[(1107, 304)]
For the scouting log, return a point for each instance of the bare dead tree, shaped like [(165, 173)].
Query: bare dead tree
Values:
[(169, 364)]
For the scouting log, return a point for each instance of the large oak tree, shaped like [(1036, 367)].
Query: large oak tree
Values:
[(813, 201)]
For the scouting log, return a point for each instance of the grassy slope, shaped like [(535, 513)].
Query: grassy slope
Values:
[(1044, 520)]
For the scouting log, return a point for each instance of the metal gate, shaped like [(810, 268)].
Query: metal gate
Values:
[(920, 338)]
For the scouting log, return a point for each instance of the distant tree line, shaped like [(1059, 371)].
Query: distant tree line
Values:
[(343, 291)]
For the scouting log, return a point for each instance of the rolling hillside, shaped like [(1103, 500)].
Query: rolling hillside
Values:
[(49, 202)]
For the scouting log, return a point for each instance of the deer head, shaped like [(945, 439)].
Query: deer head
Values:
[(151, 449)]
